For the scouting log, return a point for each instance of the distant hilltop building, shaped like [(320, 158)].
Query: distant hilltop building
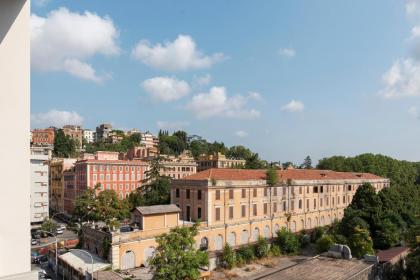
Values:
[(235, 206), (102, 132), (178, 167), (218, 160), (43, 137), (149, 140), (89, 135), (75, 132)]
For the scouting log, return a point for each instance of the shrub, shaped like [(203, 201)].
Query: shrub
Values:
[(228, 257), (275, 250), (261, 248), (324, 243), (245, 254), (304, 240), (340, 239), (316, 234), (287, 241)]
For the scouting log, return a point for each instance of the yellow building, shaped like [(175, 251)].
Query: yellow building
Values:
[(218, 160), (56, 182), (236, 206)]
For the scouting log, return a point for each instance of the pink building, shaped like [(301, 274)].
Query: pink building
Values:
[(103, 169)]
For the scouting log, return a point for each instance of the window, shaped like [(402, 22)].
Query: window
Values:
[(300, 203), (101, 177), (108, 186), (307, 190), (121, 177), (199, 213), (284, 190), (230, 194), (307, 204), (320, 202), (344, 199), (254, 209), (322, 189), (275, 191), (265, 191), (94, 177), (230, 212), (127, 187), (121, 186), (265, 208), (114, 177), (217, 194), (284, 205), (349, 187), (255, 192), (187, 194), (199, 194), (177, 193), (243, 211), (274, 207), (218, 214), (243, 193), (292, 205), (127, 177), (338, 200), (315, 189), (314, 203), (333, 201), (107, 177), (300, 190), (326, 201)]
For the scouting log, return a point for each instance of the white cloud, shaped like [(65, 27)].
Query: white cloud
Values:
[(293, 106), (166, 89), (41, 3), (201, 81), (177, 125), (412, 7), (402, 79), (56, 118), (287, 52), (412, 111), (181, 54), (64, 40), (241, 133), (216, 103), (254, 96)]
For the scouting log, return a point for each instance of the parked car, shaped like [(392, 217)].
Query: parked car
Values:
[(62, 227), (59, 231), (34, 242), (38, 259)]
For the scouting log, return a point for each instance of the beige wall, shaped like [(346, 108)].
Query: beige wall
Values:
[(14, 159)]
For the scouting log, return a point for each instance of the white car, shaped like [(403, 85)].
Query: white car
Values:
[(59, 231), (34, 242), (62, 227)]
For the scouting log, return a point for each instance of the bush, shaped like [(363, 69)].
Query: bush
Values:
[(340, 239), (228, 257), (275, 250), (245, 254), (324, 243), (287, 241), (261, 248), (304, 240), (316, 234)]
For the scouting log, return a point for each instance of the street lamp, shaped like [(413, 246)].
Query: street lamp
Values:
[(56, 249), (91, 257)]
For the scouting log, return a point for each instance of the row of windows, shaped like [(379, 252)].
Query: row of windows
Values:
[(188, 194), (179, 169), (119, 186), (121, 177), (114, 168)]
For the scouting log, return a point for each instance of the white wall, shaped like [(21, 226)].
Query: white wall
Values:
[(14, 154)]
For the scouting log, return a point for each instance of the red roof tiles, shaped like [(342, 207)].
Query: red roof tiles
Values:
[(293, 174)]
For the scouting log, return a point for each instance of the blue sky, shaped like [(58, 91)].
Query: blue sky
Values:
[(285, 78)]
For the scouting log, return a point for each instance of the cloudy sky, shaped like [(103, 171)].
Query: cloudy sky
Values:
[(285, 78)]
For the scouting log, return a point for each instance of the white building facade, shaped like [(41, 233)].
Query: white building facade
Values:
[(39, 184), (89, 135)]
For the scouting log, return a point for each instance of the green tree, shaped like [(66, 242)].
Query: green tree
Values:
[(261, 248), (413, 264), (49, 226), (110, 209), (245, 254), (85, 206), (228, 257), (176, 257), (64, 145), (324, 243), (307, 163), (360, 242), (272, 177), (287, 241)]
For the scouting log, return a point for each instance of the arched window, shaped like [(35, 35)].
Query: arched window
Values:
[(204, 244), (267, 231), (255, 234), (244, 237), (218, 242), (231, 240)]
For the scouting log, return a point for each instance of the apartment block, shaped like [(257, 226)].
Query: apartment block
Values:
[(236, 206), (89, 135), (43, 137), (102, 132), (57, 167), (105, 170), (149, 140), (218, 160), (39, 183), (75, 132), (178, 167)]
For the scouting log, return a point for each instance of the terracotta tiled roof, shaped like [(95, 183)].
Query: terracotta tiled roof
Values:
[(387, 255), (294, 174)]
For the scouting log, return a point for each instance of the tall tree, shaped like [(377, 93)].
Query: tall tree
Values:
[(64, 146), (176, 256), (307, 163)]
